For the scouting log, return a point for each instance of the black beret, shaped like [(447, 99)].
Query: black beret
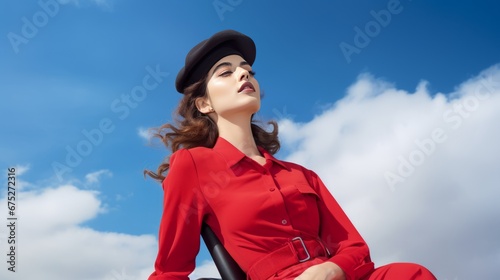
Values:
[(204, 55)]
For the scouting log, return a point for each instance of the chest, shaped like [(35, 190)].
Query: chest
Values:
[(248, 198)]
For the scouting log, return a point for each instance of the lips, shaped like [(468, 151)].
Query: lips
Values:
[(247, 86)]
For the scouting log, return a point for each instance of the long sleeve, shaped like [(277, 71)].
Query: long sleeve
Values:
[(350, 251), (183, 211)]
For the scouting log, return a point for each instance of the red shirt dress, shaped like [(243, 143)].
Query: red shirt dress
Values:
[(253, 209)]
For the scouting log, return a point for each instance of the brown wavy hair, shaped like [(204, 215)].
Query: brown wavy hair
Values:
[(195, 129)]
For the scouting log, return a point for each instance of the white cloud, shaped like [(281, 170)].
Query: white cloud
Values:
[(441, 213), (94, 177), (18, 171), (21, 169), (53, 242), (417, 174), (207, 269), (144, 133)]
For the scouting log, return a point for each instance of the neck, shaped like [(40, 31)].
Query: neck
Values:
[(238, 132)]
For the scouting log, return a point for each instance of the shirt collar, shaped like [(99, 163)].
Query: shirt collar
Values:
[(232, 155), (267, 155), (229, 152)]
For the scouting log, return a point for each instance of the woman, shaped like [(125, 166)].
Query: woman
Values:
[(276, 219)]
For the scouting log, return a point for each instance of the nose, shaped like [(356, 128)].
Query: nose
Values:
[(244, 74)]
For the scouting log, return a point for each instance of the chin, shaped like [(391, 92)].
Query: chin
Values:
[(255, 106)]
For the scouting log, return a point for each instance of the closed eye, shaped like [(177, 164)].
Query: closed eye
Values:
[(226, 73)]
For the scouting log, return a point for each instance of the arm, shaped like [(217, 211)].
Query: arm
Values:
[(323, 271), (183, 210), (349, 250)]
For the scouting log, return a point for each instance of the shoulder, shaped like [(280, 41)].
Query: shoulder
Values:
[(298, 168), (181, 156), (200, 150), (194, 165), (191, 156), (294, 166), (190, 152), (185, 166), (309, 174)]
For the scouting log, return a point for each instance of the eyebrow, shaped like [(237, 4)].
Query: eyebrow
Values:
[(228, 64)]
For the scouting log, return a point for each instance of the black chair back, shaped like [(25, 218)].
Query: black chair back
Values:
[(228, 268)]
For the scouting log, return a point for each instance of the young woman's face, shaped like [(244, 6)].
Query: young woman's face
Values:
[(232, 87)]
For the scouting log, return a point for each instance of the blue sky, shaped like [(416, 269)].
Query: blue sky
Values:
[(69, 69)]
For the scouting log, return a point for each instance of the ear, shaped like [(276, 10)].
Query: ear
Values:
[(203, 105)]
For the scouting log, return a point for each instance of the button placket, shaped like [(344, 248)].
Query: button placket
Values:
[(276, 194)]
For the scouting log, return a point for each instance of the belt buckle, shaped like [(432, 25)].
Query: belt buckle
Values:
[(305, 249)]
